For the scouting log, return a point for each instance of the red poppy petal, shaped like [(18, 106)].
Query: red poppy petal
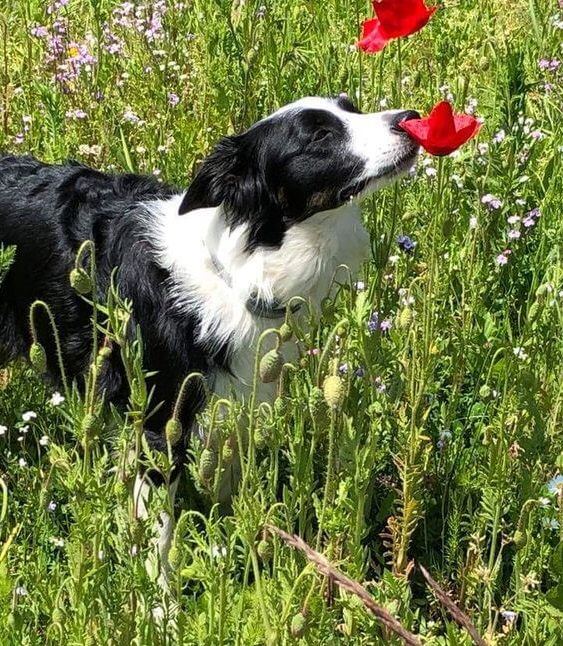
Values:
[(373, 38), (467, 133), (443, 131), (441, 120), (402, 17), (463, 121)]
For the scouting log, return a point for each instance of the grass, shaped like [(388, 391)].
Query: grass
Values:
[(447, 444)]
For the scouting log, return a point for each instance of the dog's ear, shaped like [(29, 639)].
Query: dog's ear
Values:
[(234, 175), (211, 183)]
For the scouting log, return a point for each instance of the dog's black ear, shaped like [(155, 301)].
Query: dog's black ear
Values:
[(211, 183), (234, 175)]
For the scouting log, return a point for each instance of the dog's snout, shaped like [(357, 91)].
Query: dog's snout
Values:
[(399, 117)]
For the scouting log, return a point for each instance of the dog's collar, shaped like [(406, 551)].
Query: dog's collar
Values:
[(257, 306)]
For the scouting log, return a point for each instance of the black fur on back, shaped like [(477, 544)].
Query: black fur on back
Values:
[(47, 211)]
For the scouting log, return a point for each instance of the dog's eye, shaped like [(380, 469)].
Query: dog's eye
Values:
[(320, 134)]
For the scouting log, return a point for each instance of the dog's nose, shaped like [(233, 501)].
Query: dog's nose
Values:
[(405, 115)]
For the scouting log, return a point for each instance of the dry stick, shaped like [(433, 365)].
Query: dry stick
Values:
[(324, 567), (459, 616)]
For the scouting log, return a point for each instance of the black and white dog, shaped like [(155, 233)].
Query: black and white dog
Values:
[(270, 215)]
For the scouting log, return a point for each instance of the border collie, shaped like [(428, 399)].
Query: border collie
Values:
[(270, 215)]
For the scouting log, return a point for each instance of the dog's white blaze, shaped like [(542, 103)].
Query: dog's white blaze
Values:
[(303, 266)]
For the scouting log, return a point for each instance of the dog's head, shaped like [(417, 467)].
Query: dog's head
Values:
[(310, 156)]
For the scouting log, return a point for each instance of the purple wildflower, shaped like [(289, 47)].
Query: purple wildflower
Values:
[(39, 31), (373, 323), (343, 369), (491, 201), (385, 325), (359, 372), (502, 258), (76, 114), (173, 99), (406, 243)]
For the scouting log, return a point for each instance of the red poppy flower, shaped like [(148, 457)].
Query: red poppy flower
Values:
[(395, 19), (443, 131)]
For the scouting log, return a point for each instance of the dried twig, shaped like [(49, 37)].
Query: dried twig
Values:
[(325, 567), (460, 617)]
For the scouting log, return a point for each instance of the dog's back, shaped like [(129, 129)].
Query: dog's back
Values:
[(46, 212)]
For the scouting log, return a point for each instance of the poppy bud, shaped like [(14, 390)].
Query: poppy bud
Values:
[(265, 550), (285, 332), (318, 408), (542, 291), (485, 391), (271, 366), (57, 616), (280, 406), (227, 452), (534, 311), (519, 539), (103, 354), (405, 318), (261, 436), (207, 465), (334, 392), (298, 626), (173, 431), (80, 281), (38, 357), (174, 557)]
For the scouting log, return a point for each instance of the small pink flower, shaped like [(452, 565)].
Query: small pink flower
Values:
[(502, 258)]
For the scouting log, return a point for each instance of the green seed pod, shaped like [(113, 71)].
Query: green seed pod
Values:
[(38, 357), (298, 626), (227, 452), (285, 332), (103, 355), (173, 431), (334, 391), (405, 318), (484, 392), (520, 539), (80, 281), (88, 423), (262, 436), (57, 616), (534, 311), (174, 557), (542, 291), (280, 407), (271, 366), (318, 408), (265, 550), (207, 465)]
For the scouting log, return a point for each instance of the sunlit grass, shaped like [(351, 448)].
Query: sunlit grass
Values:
[(450, 431)]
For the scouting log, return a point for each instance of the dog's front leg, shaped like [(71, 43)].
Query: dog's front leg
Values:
[(157, 564)]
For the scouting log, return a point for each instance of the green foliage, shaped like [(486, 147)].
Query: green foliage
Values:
[(436, 439)]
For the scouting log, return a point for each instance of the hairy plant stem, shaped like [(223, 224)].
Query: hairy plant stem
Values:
[(55, 331)]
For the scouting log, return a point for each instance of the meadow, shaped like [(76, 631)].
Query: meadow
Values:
[(445, 447)]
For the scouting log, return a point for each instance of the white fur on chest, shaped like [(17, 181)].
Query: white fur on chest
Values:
[(303, 266)]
